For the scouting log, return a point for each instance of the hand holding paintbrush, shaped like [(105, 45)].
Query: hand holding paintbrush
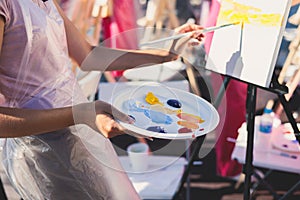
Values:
[(185, 32), (184, 35)]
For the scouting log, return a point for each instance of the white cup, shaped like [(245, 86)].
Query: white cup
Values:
[(138, 154)]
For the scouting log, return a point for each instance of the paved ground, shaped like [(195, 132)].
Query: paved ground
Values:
[(205, 184)]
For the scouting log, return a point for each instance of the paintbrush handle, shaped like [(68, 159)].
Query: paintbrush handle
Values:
[(173, 37), (178, 36)]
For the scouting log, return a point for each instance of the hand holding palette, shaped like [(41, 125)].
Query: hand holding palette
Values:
[(166, 113)]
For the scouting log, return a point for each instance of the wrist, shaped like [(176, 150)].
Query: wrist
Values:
[(84, 113), (160, 55)]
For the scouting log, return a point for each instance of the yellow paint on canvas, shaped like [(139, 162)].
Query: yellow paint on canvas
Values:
[(232, 12)]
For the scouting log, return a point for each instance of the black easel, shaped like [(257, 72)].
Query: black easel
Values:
[(275, 87)]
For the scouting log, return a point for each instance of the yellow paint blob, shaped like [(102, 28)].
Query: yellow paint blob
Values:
[(152, 99), (161, 108)]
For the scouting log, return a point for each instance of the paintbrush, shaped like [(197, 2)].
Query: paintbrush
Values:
[(178, 36)]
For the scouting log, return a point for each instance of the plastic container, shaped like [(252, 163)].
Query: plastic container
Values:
[(263, 140), (266, 122)]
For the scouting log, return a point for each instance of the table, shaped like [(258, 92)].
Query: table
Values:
[(272, 159), (159, 72), (162, 178)]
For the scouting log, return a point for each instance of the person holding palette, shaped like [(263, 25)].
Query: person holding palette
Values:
[(75, 162)]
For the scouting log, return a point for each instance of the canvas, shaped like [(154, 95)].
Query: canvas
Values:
[(249, 49)]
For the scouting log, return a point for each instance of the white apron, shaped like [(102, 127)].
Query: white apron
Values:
[(73, 163)]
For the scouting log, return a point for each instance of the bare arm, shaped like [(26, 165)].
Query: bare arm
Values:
[(21, 122), (79, 49), (99, 115), (108, 59), (116, 59)]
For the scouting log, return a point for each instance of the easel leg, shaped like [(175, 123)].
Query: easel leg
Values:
[(248, 167)]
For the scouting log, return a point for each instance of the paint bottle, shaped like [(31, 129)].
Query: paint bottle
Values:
[(263, 139)]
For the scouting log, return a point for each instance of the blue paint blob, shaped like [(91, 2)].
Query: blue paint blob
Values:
[(158, 117), (132, 105), (158, 129), (132, 117), (174, 103)]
